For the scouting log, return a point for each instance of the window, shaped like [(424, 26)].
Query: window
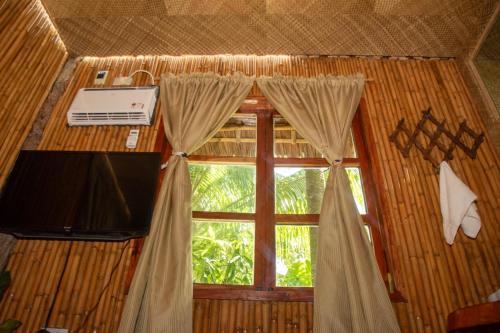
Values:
[(257, 192), (223, 177)]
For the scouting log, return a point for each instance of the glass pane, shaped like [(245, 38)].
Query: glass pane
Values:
[(368, 232), (350, 149), (299, 190), (237, 138), (354, 175), (223, 188), (223, 252), (295, 255), (290, 144)]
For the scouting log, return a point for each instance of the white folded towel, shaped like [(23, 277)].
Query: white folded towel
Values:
[(457, 205)]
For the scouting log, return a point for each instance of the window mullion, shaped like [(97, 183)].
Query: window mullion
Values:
[(265, 255)]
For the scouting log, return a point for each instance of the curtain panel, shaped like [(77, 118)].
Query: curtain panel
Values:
[(194, 108), (349, 295)]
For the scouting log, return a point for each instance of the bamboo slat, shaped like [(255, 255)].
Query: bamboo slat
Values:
[(31, 57), (435, 278)]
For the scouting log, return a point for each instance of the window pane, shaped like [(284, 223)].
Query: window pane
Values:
[(299, 190), (238, 137), (289, 143), (295, 255), (354, 175), (350, 149), (223, 252), (223, 188), (368, 232)]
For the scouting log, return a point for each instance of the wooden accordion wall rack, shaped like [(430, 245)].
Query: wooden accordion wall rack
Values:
[(429, 127)]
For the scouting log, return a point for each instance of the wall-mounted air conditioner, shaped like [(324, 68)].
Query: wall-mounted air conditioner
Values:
[(113, 106)]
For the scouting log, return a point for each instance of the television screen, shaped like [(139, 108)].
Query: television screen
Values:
[(82, 195)]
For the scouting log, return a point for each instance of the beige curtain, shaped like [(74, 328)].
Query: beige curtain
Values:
[(349, 295), (194, 108)]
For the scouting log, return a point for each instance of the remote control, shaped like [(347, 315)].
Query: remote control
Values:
[(133, 136)]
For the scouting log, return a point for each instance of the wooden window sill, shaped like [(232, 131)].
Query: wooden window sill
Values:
[(250, 293)]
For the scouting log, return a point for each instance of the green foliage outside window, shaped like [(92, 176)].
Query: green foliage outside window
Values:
[(295, 247), (300, 190), (223, 252), (223, 188)]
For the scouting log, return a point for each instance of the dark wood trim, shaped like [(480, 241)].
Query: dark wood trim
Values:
[(291, 162), (248, 293), (309, 219), (264, 227), (318, 162), (369, 192), (483, 317), (373, 186), (160, 141), (280, 162), (257, 110), (222, 159), (298, 162), (292, 219), (224, 216), (262, 104)]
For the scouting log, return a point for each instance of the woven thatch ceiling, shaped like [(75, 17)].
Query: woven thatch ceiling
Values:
[(490, 49), (438, 28), (488, 63)]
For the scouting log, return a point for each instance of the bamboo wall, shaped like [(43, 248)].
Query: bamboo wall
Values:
[(31, 56), (435, 278)]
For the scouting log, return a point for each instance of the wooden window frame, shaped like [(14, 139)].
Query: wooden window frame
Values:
[(264, 287)]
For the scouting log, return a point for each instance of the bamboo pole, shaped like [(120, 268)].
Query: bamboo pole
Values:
[(29, 64)]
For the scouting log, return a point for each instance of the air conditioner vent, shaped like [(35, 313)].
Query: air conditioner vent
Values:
[(113, 106)]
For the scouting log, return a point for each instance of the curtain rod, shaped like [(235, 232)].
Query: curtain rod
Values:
[(157, 78)]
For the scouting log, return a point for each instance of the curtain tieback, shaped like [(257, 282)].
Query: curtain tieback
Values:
[(337, 163), (178, 153)]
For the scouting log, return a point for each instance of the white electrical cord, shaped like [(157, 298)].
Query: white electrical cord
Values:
[(144, 71)]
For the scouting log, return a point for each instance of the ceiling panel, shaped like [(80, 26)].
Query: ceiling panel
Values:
[(434, 28)]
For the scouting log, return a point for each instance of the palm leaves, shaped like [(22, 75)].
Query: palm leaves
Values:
[(223, 251), (291, 190), (354, 175), (293, 255), (223, 188)]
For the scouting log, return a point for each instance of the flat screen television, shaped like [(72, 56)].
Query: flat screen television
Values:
[(80, 195)]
